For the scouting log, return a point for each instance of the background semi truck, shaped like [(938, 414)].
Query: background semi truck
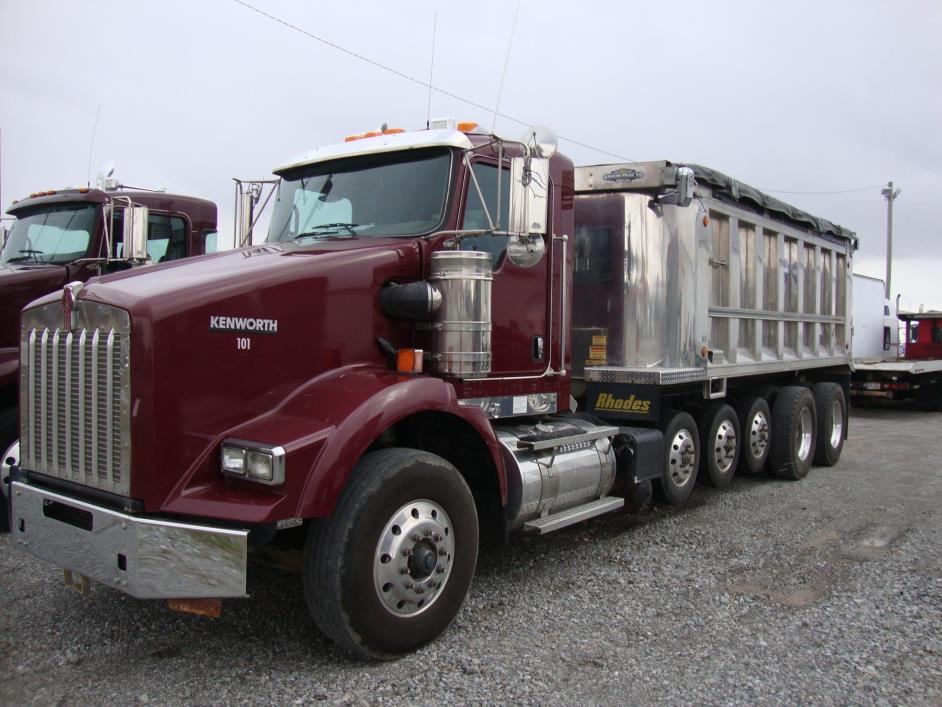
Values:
[(447, 337), (70, 235), (913, 377)]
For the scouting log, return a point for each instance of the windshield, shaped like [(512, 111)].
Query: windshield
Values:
[(54, 234), (400, 193)]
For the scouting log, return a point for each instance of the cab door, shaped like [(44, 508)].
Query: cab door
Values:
[(520, 336)]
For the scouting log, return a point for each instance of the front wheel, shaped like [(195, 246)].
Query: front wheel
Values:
[(388, 571)]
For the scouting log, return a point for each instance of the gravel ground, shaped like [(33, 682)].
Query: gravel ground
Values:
[(824, 591)]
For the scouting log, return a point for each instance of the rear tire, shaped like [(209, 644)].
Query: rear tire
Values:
[(794, 430), (388, 571), (721, 440), (681, 458), (831, 409), (755, 424)]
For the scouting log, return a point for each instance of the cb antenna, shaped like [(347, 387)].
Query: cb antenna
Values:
[(91, 145), (431, 70), (510, 42)]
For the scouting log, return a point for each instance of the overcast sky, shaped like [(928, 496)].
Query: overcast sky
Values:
[(799, 96)]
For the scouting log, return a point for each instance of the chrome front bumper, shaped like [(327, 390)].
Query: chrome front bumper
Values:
[(146, 558)]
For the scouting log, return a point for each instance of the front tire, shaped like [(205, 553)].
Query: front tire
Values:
[(794, 430), (388, 571)]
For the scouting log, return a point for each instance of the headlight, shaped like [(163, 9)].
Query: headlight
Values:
[(254, 461)]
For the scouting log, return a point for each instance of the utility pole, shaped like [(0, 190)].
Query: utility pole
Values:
[(890, 194)]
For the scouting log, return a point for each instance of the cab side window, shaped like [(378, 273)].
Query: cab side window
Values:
[(475, 216), (166, 236)]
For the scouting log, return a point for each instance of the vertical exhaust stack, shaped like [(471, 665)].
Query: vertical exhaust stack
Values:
[(461, 329)]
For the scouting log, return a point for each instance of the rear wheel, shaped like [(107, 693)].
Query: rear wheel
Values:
[(719, 434), (389, 569), (793, 433), (831, 408), (681, 458), (755, 426)]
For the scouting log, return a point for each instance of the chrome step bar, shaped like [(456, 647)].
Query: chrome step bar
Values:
[(570, 516)]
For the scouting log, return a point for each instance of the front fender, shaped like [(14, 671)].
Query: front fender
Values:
[(367, 402), (325, 427)]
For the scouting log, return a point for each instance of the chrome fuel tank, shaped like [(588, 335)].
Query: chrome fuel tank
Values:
[(461, 330), (545, 481)]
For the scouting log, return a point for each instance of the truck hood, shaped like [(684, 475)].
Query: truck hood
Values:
[(20, 285), (178, 287)]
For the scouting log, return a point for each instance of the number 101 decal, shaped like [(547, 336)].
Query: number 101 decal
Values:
[(243, 343)]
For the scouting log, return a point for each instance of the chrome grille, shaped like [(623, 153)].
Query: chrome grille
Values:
[(75, 395)]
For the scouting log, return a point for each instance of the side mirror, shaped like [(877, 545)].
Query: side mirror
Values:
[(135, 232), (529, 195)]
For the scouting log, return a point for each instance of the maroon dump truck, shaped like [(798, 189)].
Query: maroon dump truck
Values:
[(447, 337), (71, 235)]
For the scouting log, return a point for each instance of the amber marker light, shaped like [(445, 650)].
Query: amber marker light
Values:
[(467, 126), (351, 138), (409, 360), (393, 131)]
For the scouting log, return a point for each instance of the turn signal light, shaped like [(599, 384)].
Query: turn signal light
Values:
[(409, 360)]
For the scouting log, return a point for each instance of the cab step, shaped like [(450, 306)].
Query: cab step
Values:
[(574, 515)]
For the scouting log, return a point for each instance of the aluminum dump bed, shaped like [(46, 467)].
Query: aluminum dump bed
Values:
[(730, 282)]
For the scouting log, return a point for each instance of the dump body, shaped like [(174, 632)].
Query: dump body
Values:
[(718, 288)]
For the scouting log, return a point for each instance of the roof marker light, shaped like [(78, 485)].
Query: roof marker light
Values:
[(467, 126)]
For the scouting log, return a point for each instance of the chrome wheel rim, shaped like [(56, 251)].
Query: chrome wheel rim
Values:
[(759, 434), (837, 423), (724, 446), (413, 558), (681, 457), (803, 434)]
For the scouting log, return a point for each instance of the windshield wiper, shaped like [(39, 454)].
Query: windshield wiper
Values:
[(326, 228), (30, 254)]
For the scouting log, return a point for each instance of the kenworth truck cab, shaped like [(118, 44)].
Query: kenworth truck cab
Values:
[(390, 377), (70, 235)]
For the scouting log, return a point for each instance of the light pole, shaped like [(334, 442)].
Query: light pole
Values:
[(890, 194)]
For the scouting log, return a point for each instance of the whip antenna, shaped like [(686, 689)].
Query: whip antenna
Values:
[(91, 145), (431, 70), (510, 42)]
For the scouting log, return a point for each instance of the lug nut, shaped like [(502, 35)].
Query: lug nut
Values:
[(416, 538), (427, 532), (442, 551), (440, 570), (408, 585), (403, 570), (406, 553), (419, 590)]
